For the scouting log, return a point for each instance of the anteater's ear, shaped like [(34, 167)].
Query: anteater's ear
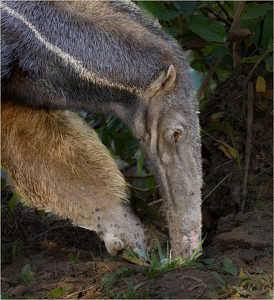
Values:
[(164, 81)]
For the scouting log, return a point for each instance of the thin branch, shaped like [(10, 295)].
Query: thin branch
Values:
[(93, 286), (218, 60), (246, 81), (223, 9), (155, 202), (250, 117)]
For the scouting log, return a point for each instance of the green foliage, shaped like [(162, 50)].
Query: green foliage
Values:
[(165, 263), (55, 293), (72, 258), (27, 275), (257, 11), (196, 21), (185, 8), (245, 286), (13, 201), (229, 267), (208, 29), (109, 279)]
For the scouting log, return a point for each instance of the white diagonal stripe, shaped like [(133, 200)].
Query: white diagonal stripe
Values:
[(68, 59)]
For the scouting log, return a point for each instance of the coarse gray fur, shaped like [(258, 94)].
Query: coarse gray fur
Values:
[(110, 57)]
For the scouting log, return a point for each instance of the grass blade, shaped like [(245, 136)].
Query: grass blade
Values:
[(216, 187)]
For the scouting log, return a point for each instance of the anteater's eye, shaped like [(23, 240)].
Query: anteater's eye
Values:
[(176, 135)]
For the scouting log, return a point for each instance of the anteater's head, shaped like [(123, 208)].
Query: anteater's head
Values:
[(166, 125)]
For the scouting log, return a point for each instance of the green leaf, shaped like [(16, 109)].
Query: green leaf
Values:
[(145, 294), (269, 64), (173, 14), (112, 126), (3, 182), (148, 7), (146, 208), (140, 163), (259, 284), (154, 262), (150, 181), (185, 8), (227, 127), (57, 292), (241, 291), (5, 295), (72, 258), (252, 59), (126, 146), (14, 247), (229, 267), (171, 31), (270, 294), (141, 253), (3, 251), (268, 28), (208, 29), (194, 256), (27, 275), (212, 287), (217, 115), (129, 252), (255, 28), (161, 11), (140, 190), (160, 250), (210, 295), (93, 257), (263, 105), (13, 201), (219, 51), (209, 261), (218, 277), (257, 11)]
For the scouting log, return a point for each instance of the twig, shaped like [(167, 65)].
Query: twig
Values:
[(218, 60), (93, 286), (237, 54), (250, 116), (155, 202), (223, 9), (196, 279), (246, 81)]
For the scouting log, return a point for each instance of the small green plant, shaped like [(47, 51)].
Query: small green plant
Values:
[(245, 286), (93, 257), (165, 263), (5, 295), (27, 275), (55, 293), (73, 259), (110, 278)]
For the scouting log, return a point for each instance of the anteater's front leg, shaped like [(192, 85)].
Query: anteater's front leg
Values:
[(56, 160)]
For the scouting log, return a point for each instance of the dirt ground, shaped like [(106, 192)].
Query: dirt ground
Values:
[(45, 242)]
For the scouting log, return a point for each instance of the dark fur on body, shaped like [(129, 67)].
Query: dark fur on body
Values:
[(117, 52), (110, 57)]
